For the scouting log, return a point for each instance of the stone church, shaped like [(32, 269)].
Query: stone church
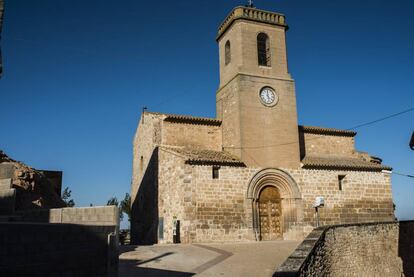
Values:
[(251, 173)]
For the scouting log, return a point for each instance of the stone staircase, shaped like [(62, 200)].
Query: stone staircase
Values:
[(7, 197)]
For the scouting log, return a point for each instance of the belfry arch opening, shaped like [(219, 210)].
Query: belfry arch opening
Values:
[(263, 49), (276, 204)]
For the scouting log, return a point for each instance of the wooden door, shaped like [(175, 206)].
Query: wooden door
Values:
[(270, 214)]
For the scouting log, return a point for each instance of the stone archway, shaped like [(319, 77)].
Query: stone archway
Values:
[(286, 198)]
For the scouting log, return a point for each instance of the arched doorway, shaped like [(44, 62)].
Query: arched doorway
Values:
[(276, 201), (270, 214)]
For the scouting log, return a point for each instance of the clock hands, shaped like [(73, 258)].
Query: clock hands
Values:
[(268, 96)]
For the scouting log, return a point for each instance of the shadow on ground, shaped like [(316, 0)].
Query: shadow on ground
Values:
[(131, 268)]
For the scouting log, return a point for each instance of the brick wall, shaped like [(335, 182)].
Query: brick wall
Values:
[(371, 249), (42, 249)]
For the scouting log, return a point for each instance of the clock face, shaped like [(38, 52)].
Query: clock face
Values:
[(268, 96)]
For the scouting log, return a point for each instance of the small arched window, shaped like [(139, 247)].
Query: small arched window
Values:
[(227, 53), (263, 49)]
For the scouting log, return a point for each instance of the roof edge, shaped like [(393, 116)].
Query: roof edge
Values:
[(326, 131), (189, 119), (374, 167), (214, 162)]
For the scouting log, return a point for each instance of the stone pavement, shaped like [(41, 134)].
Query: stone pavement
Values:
[(213, 259)]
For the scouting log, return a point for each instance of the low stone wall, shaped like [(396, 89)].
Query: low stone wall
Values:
[(366, 249), (101, 216), (43, 249)]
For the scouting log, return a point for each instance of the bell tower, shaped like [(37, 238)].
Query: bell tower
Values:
[(256, 97)]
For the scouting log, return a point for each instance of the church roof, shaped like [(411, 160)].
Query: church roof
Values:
[(192, 119), (189, 119), (326, 131), (206, 157), (342, 163)]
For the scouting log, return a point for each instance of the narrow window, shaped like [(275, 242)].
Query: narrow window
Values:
[(216, 171), (263, 49), (227, 53), (141, 164), (341, 181)]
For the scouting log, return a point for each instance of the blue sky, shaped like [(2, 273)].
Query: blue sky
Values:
[(77, 74)]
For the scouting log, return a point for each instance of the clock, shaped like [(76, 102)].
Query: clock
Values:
[(268, 97)]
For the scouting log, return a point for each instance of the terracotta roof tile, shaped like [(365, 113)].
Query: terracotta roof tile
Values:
[(189, 119), (313, 162), (326, 131), (204, 156)]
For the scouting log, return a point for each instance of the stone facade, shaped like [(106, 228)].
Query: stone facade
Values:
[(203, 179)]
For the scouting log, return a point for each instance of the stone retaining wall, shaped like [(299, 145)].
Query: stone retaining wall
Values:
[(366, 249)]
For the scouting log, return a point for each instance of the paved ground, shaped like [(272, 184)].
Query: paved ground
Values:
[(227, 259)]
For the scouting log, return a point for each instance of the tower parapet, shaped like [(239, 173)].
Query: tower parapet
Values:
[(251, 14)]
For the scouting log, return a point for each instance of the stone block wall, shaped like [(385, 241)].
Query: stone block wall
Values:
[(364, 197), (320, 145), (165, 188), (145, 210), (192, 135), (176, 196), (147, 137), (98, 216), (227, 103), (223, 213), (153, 131), (243, 38), (42, 249), (219, 209), (370, 249), (208, 209)]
